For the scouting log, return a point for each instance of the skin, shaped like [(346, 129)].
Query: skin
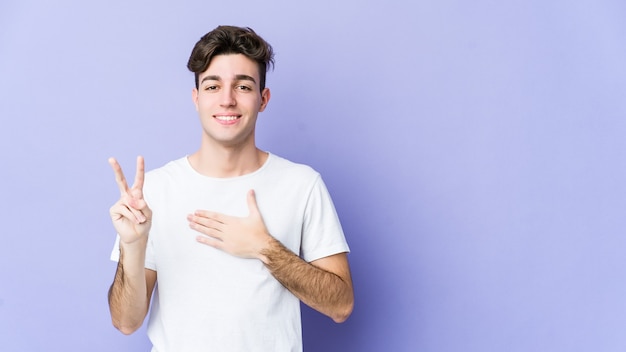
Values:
[(229, 87), (129, 295)]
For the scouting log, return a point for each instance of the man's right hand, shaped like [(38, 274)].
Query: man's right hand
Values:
[(131, 215)]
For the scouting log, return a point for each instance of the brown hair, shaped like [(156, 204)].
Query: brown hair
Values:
[(231, 40)]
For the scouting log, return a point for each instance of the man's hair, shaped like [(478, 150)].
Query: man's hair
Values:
[(231, 40)]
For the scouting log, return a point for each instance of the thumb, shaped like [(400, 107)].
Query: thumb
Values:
[(252, 206)]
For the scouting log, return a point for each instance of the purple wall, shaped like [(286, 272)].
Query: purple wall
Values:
[(475, 151)]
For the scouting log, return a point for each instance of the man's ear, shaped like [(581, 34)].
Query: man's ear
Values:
[(194, 97), (265, 98)]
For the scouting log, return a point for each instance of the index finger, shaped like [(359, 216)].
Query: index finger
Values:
[(119, 175), (139, 174)]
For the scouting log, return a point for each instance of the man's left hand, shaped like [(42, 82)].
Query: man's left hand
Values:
[(242, 237)]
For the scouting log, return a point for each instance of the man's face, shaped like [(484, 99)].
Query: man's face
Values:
[(228, 99)]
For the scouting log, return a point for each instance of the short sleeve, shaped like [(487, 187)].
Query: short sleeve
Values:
[(322, 234)]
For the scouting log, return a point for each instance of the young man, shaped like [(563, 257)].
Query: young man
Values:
[(230, 238)]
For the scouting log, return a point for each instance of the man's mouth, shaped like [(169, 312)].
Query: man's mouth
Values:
[(227, 118)]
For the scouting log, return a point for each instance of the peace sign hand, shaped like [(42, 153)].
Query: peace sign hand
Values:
[(131, 215)]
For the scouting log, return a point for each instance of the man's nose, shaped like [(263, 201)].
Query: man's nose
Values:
[(228, 98)]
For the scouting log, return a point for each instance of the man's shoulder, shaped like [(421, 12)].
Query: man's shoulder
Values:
[(283, 165), (178, 167)]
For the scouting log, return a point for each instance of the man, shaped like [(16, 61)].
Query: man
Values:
[(229, 238)]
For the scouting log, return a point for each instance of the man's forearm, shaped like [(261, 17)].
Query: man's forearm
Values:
[(128, 296), (322, 290)]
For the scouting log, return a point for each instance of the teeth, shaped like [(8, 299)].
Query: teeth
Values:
[(226, 118)]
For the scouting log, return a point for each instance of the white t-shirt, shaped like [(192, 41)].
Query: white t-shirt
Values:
[(208, 300)]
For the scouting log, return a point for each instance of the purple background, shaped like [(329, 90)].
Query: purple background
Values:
[(475, 152)]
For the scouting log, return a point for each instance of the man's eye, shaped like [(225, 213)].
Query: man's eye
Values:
[(244, 88), (210, 88)]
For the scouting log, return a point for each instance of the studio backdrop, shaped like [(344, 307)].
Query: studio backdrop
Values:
[(475, 151)]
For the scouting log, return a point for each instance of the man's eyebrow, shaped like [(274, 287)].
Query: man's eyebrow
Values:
[(211, 78), (245, 78), (237, 77)]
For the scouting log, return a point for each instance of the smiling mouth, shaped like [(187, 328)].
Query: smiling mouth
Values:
[(227, 118)]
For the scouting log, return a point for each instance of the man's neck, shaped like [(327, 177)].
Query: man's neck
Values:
[(227, 162)]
